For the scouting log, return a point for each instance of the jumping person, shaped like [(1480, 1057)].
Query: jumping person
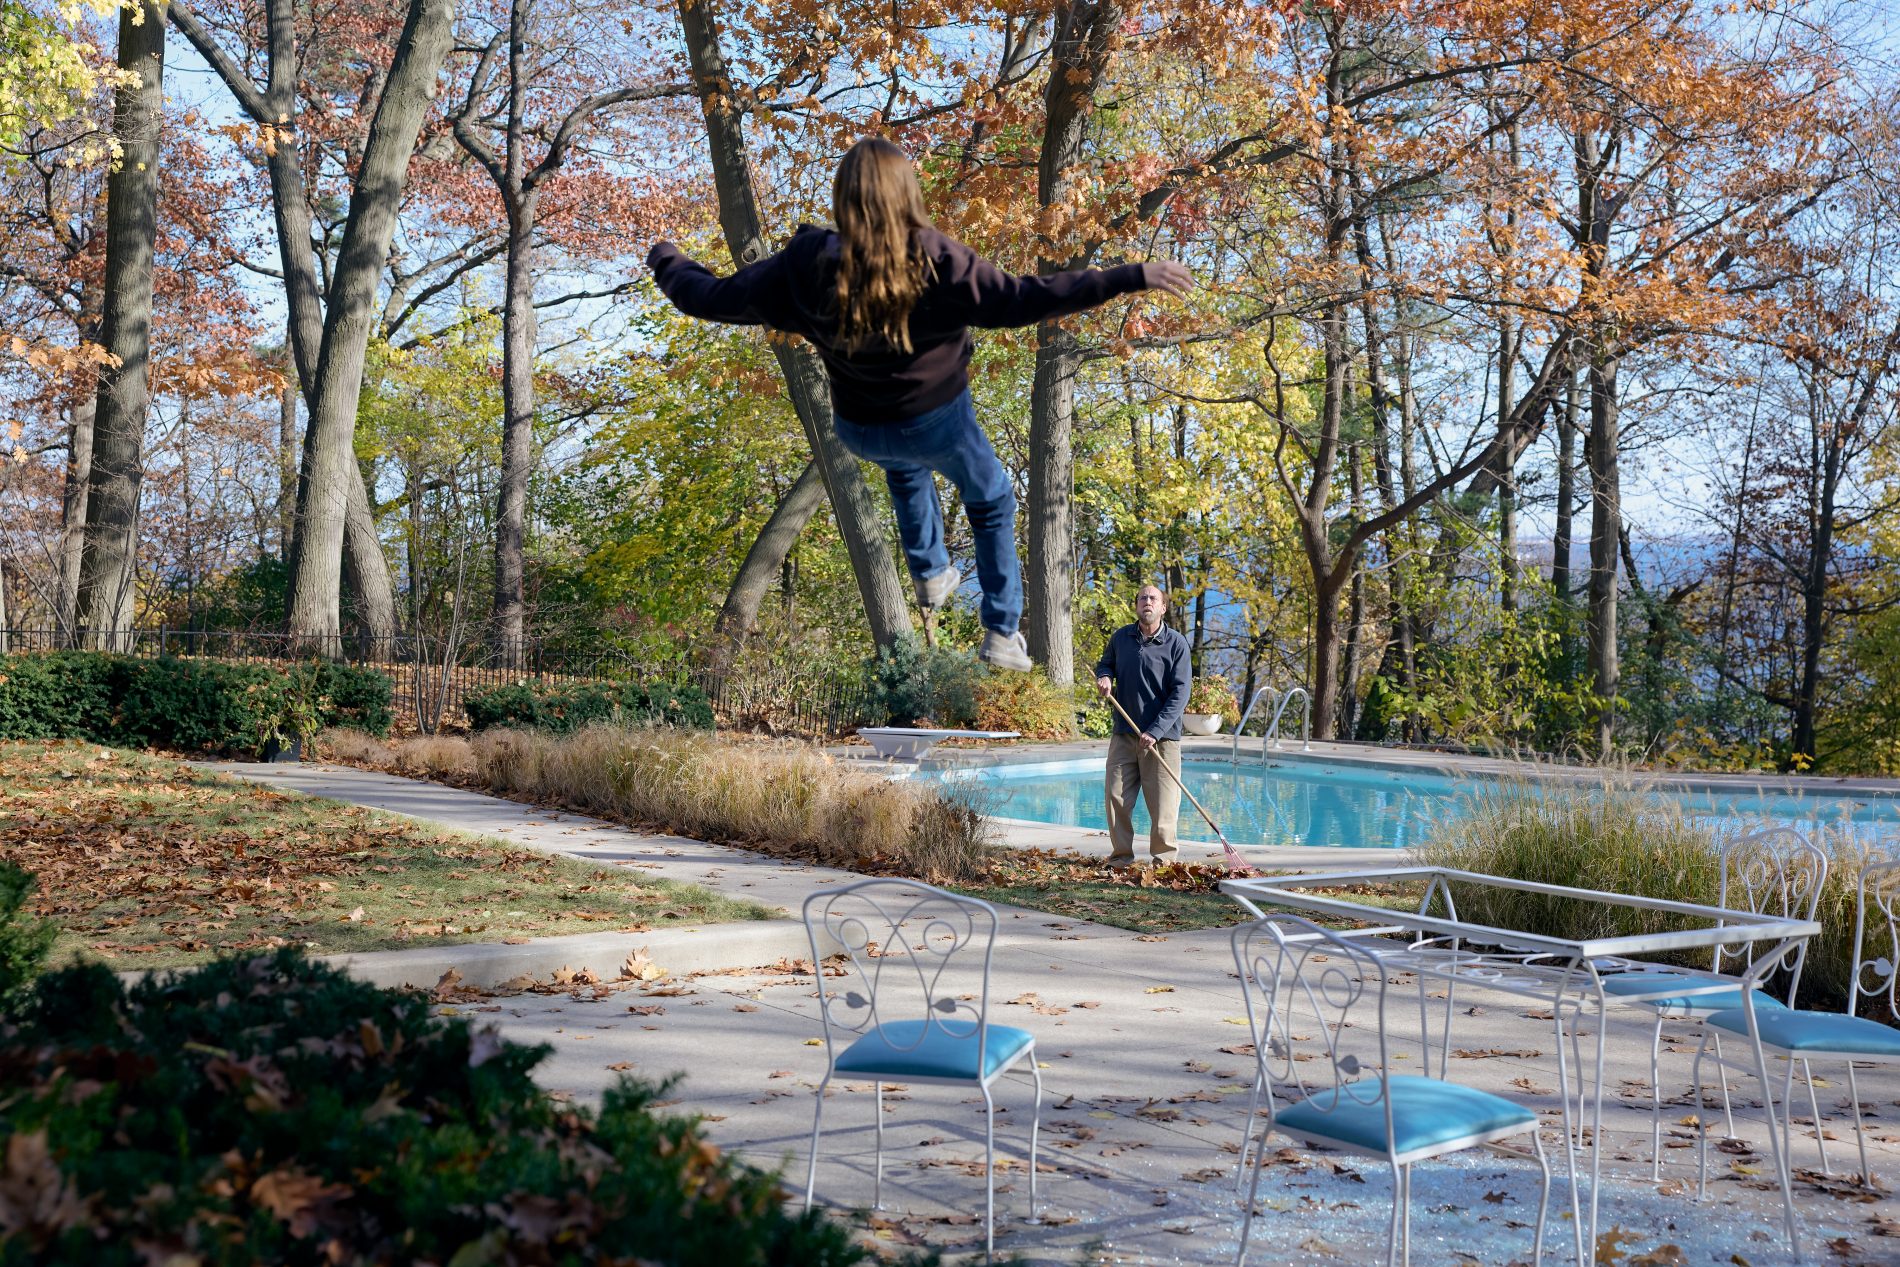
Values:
[(889, 301)]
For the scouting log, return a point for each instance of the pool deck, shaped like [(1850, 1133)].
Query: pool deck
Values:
[(1024, 834)]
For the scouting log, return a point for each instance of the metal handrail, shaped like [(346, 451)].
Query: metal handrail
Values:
[(1306, 722), (1233, 754)]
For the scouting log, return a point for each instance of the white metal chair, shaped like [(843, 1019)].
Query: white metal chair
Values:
[(1789, 1035), (912, 1006), (1308, 981), (1777, 871)]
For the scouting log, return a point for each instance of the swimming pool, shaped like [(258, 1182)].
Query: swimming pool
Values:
[(1355, 806)]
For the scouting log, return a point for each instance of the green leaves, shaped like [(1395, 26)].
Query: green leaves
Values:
[(24, 940), (241, 1113)]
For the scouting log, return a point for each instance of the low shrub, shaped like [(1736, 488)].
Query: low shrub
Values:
[(778, 798), (1093, 717), (911, 684), (273, 1110), (1616, 837), (25, 939), (184, 704), (564, 709), (1025, 702)]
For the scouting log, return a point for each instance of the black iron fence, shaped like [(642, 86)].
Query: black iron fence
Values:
[(432, 677)]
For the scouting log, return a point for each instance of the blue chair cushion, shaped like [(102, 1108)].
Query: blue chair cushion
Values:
[(1815, 1031), (1628, 983), (900, 1049), (1425, 1113)]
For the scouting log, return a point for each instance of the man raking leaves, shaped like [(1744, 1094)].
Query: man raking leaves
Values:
[(1145, 670), (1231, 855), (889, 303)]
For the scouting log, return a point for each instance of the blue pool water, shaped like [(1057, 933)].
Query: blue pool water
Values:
[(1316, 803)]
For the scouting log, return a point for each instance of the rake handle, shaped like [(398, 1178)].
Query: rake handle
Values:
[(1117, 705)]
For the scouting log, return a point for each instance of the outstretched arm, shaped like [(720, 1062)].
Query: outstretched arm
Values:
[(998, 299), (737, 300)]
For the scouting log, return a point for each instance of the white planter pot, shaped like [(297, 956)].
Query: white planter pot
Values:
[(1201, 723)]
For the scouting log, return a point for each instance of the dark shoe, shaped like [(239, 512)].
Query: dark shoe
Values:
[(1005, 651), (934, 591)]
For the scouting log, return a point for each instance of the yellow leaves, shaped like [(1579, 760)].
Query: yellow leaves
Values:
[(55, 360)]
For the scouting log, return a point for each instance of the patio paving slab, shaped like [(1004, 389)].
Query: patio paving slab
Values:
[(1142, 1108)]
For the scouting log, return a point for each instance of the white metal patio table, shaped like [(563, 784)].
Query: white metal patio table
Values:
[(1567, 974)]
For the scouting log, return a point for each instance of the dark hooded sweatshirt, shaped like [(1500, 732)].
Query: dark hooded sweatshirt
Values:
[(793, 291)]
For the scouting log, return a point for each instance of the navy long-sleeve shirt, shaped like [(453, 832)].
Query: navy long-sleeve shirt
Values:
[(794, 292), (1152, 677)]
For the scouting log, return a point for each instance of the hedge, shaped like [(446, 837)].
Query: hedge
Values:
[(272, 1110), (564, 709), (187, 705)]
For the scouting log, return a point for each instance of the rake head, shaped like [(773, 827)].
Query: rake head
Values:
[(1236, 864)]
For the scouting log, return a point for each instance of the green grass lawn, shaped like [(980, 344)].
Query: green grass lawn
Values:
[(147, 862)]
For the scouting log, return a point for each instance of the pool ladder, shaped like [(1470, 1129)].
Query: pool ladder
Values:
[(1272, 737)]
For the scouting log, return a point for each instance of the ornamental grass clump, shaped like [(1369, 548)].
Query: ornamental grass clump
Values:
[(1610, 837), (779, 798), (274, 1110), (1620, 836)]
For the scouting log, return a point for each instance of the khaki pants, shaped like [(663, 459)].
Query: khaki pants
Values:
[(1132, 773)]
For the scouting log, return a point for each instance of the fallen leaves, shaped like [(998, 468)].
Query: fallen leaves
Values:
[(295, 1197), (1494, 1053), (638, 967), (138, 855)]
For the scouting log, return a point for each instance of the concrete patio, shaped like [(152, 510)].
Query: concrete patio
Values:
[(1146, 1076)]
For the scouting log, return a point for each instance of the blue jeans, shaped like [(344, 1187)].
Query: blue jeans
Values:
[(947, 439)]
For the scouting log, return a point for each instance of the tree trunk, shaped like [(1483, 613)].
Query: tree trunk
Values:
[(885, 606), (72, 538), (517, 438), (112, 496), (1080, 56), (1049, 579), (1606, 519), (329, 465), (1200, 621), (1563, 533), (287, 464), (366, 575), (764, 563), (519, 333), (1826, 441), (1507, 464), (1356, 622)]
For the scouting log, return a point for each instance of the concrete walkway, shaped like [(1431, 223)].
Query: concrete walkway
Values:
[(1145, 1086)]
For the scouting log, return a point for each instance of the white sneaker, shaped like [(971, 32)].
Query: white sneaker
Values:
[(1005, 651), (934, 591)]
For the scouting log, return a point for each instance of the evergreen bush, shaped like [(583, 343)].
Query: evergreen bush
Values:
[(189, 705), (272, 1110), (911, 684), (562, 710), (25, 940)]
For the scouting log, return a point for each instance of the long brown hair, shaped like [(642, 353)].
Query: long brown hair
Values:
[(882, 272)]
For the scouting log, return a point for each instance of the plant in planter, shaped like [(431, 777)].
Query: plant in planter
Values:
[(1209, 700), (290, 711)]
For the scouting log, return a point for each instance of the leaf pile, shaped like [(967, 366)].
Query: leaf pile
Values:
[(1169, 897), (147, 857), (271, 1110)]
